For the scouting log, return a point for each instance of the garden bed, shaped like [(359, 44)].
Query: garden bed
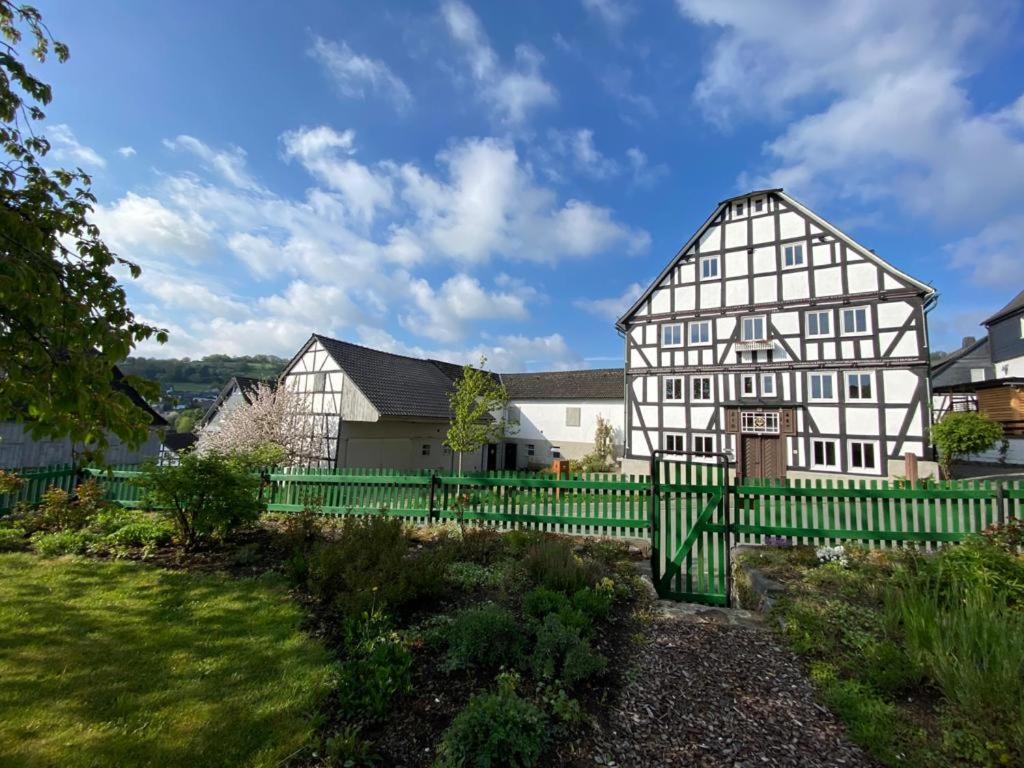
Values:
[(922, 655)]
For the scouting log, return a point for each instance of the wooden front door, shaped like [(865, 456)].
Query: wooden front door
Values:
[(762, 456)]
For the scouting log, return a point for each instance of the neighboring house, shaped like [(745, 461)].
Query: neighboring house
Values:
[(239, 391), (18, 450), (374, 409), (776, 338), (970, 364), (999, 396), (554, 414), (174, 444), (1006, 338)]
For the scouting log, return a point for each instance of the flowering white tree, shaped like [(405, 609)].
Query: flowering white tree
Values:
[(274, 417)]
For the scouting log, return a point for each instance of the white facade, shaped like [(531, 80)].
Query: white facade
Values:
[(773, 333), (18, 450), (550, 429)]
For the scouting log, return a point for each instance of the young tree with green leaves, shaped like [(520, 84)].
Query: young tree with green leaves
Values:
[(961, 433), (477, 398), (64, 318)]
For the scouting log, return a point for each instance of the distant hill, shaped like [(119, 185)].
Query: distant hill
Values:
[(211, 372)]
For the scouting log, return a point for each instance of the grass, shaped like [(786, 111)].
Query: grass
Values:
[(121, 663)]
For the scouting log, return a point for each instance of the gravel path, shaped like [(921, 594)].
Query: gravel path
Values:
[(713, 688)]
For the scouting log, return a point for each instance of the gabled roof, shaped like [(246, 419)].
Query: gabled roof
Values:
[(246, 385), (155, 419), (797, 206), (592, 384), (948, 360), (396, 385), (1016, 305)]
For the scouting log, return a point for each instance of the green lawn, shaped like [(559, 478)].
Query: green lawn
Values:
[(125, 664)]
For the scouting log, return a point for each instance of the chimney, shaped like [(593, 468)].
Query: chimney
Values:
[(968, 340)]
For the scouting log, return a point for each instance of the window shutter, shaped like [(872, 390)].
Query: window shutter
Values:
[(732, 423)]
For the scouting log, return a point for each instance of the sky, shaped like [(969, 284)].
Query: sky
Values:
[(464, 179)]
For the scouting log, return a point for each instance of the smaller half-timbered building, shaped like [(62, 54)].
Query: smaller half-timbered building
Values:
[(777, 339)]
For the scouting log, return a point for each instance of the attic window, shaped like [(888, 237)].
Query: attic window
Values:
[(709, 266), (739, 209), (319, 382), (758, 205)]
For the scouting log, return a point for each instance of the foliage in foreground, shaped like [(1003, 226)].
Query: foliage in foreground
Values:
[(944, 630), (203, 495), (65, 318), (162, 667)]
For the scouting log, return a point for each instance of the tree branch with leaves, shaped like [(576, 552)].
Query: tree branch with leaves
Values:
[(479, 403), (64, 317)]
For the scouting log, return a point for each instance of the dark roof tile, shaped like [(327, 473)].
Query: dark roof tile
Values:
[(590, 384)]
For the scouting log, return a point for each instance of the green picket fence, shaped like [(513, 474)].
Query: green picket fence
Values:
[(880, 514), (36, 482)]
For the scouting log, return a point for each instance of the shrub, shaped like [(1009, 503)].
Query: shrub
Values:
[(370, 565), (60, 511), (205, 494), (976, 562), (113, 518), (552, 564), (378, 668), (484, 638), (469, 576), (498, 729), (12, 539), (144, 531), (9, 482), (52, 544), (562, 653), (961, 433), (519, 541), (481, 545), (539, 602), (595, 604)]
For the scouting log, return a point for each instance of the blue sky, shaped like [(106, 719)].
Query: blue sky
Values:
[(456, 179)]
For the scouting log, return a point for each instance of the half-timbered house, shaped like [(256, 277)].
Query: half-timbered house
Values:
[(777, 339)]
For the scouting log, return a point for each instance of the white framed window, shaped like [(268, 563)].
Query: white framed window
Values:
[(767, 385), (856, 321), (760, 422), (672, 335), (748, 385), (860, 386), (704, 443), (700, 332), (708, 267), (700, 388), (978, 374), (863, 455), (674, 388), (753, 328), (824, 454), (675, 442), (758, 205), (531, 449), (425, 449), (556, 452), (821, 386), (572, 416), (819, 323), (793, 255)]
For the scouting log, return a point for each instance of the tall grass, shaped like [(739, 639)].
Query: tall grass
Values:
[(966, 636)]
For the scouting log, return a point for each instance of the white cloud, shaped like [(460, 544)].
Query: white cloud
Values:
[(644, 174), (325, 153), (895, 122), (513, 93), (491, 206), (612, 13), (993, 257), (142, 228), (354, 74), (64, 147), (445, 315), (611, 308), (126, 151), (229, 163)]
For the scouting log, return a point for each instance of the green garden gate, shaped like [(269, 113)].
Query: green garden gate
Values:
[(689, 519)]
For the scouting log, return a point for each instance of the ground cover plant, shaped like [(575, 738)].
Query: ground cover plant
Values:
[(922, 655), (123, 663), (463, 647)]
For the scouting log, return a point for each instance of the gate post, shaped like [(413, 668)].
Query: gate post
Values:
[(727, 514), (653, 515)]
